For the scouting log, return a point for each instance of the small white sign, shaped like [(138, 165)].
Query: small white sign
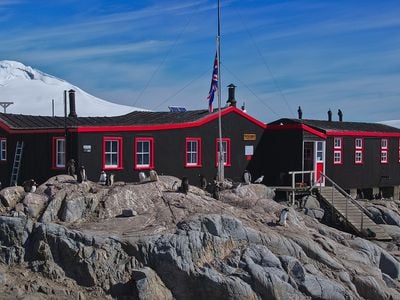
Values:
[(248, 150), (87, 148)]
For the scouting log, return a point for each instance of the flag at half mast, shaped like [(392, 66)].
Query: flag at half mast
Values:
[(214, 84)]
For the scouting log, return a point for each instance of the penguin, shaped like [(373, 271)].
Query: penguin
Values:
[(82, 174), (203, 181), (29, 186), (142, 177), (110, 179), (185, 185), (103, 178), (33, 187), (174, 186), (153, 175), (283, 216), (71, 168), (246, 177)]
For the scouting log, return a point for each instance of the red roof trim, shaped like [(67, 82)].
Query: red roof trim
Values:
[(297, 126), (362, 134), (198, 123)]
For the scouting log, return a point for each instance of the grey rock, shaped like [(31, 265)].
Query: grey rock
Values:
[(322, 288), (310, 202), (14, 233), (316, 213), (35, 204), (294, 268), (10, 196), (369, 288), (389, 265), (149, 286)]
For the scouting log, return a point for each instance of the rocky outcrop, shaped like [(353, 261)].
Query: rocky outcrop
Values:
[(179, 246)]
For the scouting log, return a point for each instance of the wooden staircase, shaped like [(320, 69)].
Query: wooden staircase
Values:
[(353, 213)]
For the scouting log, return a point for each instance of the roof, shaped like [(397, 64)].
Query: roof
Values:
[(338, 128), (12, 122)]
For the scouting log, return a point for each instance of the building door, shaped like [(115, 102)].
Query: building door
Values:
[(320, 160), (308, 161)]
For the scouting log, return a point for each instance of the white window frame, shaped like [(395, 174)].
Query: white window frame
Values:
[(384, 151), (60, 154), (337, 157), (338, 151), (140, 152), (359, 151), (193, 152), (337, 143), (112, 154), (384, 143), (3, 149)]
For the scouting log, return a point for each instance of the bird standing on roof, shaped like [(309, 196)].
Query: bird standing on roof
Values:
[(259, 179)]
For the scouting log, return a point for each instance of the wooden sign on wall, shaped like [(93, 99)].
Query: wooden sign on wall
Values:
[(249, 136)]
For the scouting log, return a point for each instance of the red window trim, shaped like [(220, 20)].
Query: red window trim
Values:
[(3, 160), (359, 149), (54, 153), (141, 139), (199, 153), (399, 150), (228, 154), (338, 150), (385, 150), (120, 152)]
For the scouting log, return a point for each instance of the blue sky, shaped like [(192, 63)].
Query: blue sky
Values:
[(279, 54)]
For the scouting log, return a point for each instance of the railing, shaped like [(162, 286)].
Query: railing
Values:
[(347, 197), (293, 174)]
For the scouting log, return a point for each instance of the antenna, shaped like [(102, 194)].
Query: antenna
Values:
[(5, 105)]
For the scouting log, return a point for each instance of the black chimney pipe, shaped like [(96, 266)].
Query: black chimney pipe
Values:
[(72, 109), (329, 115), (300, 113), (340, 114), (231, 95)]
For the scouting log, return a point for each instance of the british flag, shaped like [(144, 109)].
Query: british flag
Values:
[(214, 84)]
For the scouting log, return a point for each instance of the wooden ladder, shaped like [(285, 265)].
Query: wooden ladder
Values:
[(19, 148)]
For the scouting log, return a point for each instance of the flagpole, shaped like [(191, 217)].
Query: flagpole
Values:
[(220, 152)]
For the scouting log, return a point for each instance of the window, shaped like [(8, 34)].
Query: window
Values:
[(384, 151), (337, 150), (226, 151), (112, 153), (193, 152), (358, 151), (58, 152), (338, 143), (337, 157), (144, 153), (3, 149)]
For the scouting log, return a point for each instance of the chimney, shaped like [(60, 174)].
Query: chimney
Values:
[(340, 114), (329, 115), (72, 109), (300, 113), (231, 95)]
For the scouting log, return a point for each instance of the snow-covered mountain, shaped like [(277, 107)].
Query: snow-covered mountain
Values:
[(394, 123), (32, 91)]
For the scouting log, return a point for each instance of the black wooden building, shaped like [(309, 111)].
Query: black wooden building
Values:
[(172, 143), (360, 157)]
